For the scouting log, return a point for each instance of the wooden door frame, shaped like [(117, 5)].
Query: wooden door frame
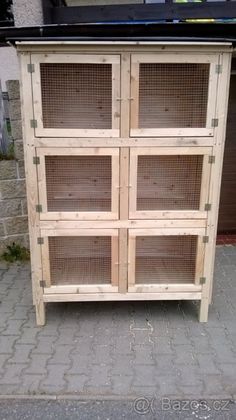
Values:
[(101, 59), (83, 215)]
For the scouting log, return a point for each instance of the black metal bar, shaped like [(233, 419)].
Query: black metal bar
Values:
[(48, 6), (142, 12)]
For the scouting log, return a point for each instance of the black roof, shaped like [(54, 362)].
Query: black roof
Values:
[(125, 31)]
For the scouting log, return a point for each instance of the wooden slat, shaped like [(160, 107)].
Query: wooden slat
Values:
[(125, 224), (101, 297), (32, 190)]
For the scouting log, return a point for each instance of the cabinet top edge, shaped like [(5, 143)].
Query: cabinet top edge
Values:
[(167, 45)]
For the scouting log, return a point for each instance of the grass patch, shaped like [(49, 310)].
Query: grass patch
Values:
[(15, 252), (9, 155)]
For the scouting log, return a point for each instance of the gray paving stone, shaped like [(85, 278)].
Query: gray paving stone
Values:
[(61, 355), (143, 354), (127, 348), (55, 379), (76, 383), (99, 376), (207, 364), (145, 376), (30, 384), (123, 365), (13, 373), (7, 344), (21, 353), (13, 327), (38, 364)]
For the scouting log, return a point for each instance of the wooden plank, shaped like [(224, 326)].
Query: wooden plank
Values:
[(175, 214), (200, 257), (206, 172), (125, 224), (115, 190), (171, 151), (215, 183), (163, 232), (32, 191), (116, 96), (134, 104), (42, 185), (171, 132), (115, 261), (101, 297), (80, 289), (72, 215), (164, 288), (174, 57), (124, 172), (133, 185), (123, 260), (79, 232), (76, 58), (131, 261), (167, 11), (67, 151), (125, 142), (46, 262)]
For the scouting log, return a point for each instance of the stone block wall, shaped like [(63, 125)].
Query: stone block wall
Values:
[(13, 205)]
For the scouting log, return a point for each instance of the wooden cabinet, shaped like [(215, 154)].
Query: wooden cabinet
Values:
[(124, 146)]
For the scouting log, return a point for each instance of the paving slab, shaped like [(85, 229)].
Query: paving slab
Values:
[(118, 349)]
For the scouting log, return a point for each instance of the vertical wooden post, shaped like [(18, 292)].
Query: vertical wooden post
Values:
[(215, 183), (31, 185), (124, 172)]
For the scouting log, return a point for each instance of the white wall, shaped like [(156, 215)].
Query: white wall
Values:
[(9, 67), (27, 13)]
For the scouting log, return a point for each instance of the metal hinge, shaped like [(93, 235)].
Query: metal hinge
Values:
[(219, 68), (42, 283), (205, 239), (33, 123), (212, 159), (39, 208), (207, 207), (40, 241), (30, 68), (36, 160), (202, 280), (214, 122)]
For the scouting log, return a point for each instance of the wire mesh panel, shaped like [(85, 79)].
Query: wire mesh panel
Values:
[(78, 183), (165, 259), (76, 95), (169, 182), (173, 95), (80, 260)]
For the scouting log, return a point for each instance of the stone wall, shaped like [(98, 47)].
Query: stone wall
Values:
[(13, 205)]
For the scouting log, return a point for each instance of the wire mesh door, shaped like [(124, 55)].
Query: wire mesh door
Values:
[(165, 259), (173, 94), (80, 260), (76, 95), (78, 183), (169, 182)]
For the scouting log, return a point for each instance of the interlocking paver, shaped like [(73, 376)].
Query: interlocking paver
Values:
[(126, 348)]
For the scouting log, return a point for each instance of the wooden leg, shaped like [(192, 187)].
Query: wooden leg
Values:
[(40, 313), (203, 312)]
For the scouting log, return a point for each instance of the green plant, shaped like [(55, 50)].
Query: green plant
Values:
[(15, 252), (10, 154)]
